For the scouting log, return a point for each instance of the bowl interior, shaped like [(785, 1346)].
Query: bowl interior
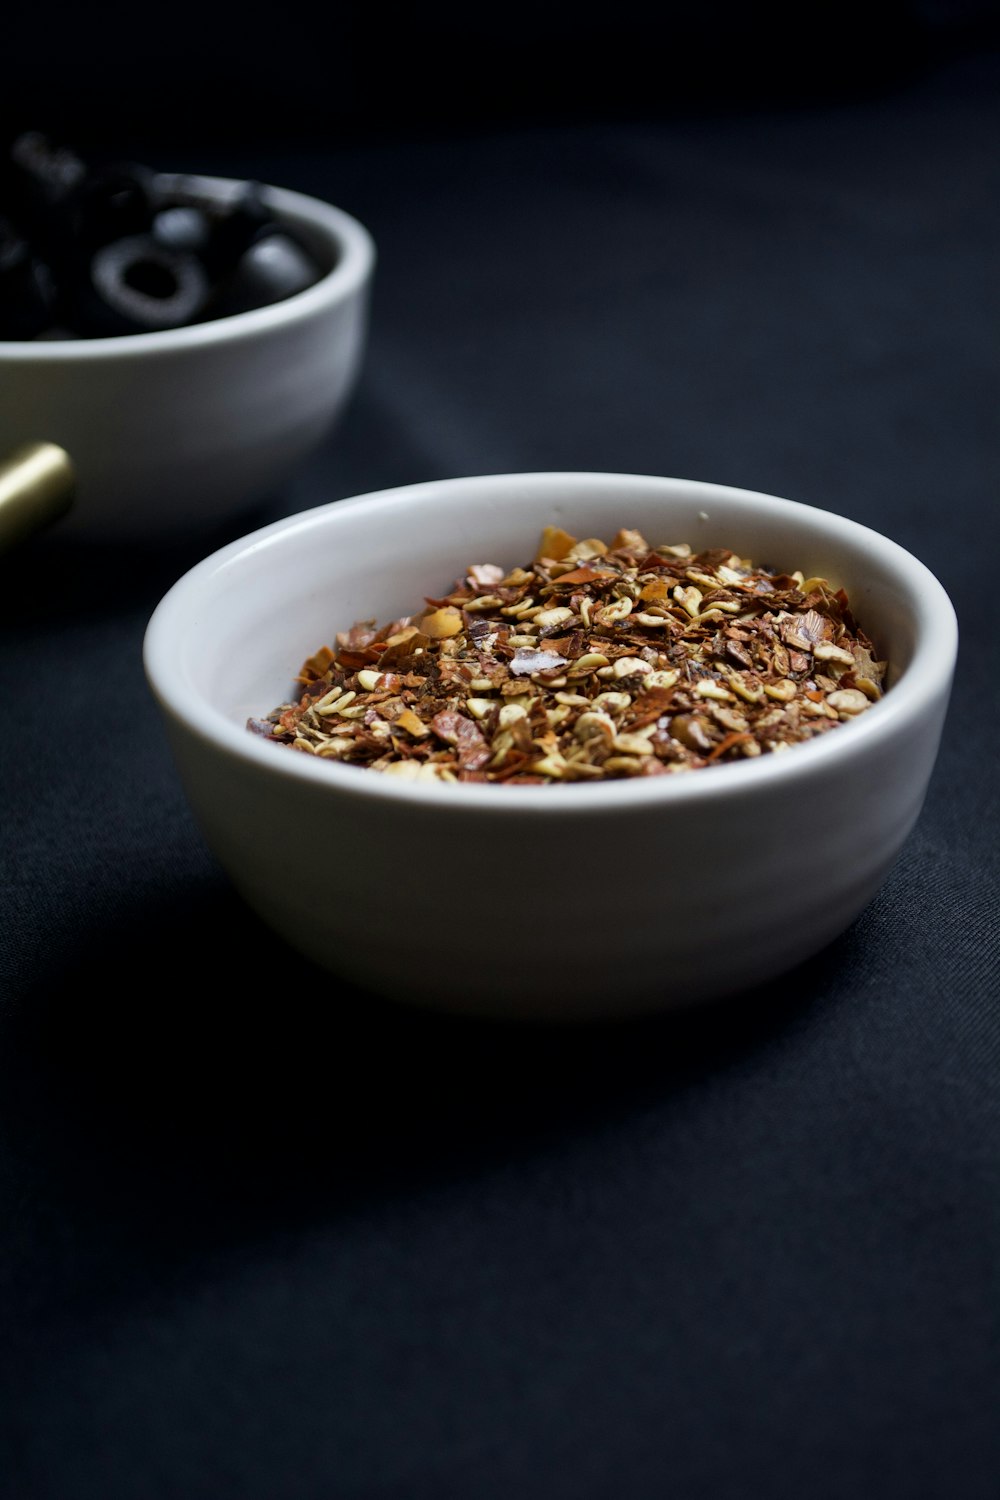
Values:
[(238, 627)]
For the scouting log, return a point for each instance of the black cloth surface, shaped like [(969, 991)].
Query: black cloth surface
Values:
[(262, 1236)]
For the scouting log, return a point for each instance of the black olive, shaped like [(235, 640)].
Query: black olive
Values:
[(111, 203), (27, 296), (234, 228), (38, 183), (272, 269), (181, 227), (108, 250), (33, 168), (137, 286)]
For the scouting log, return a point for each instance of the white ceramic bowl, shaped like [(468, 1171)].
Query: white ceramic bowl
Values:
[(582, 900), (171, 429)]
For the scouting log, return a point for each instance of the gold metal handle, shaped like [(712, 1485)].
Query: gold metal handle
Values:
[(36, 488)]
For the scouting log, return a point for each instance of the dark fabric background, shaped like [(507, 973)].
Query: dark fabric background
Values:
[(264, 1237), (345, 68)]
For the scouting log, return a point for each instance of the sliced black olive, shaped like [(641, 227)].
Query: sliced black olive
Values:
[(182, 227), (27, 296), (137, 286), (111, 203), (38, 182), (234, 228), (110, 250), (274, 268)]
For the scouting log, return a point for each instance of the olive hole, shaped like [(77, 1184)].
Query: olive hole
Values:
[(151, 278)]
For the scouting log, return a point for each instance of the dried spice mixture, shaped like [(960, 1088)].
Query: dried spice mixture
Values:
[(593, 662)]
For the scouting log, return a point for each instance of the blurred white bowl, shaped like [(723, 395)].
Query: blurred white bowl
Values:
[(596, 899), (188, 425)]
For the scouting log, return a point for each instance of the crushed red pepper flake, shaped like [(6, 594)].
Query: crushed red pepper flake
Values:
[(596, 661)]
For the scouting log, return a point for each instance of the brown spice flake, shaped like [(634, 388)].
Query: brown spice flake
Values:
[(593, 662)]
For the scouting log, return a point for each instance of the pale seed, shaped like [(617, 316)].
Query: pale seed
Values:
[(628, 764), (588, 663), (827, 651), (743, 688), (620, 609), (848, 701), (335, 747), (549, 765), (547, 617), (480, 707), (589, 725), (337, 706), (631, 666), (405, 770), (585, 550), (689, 599), (632, 744), (714, 690), (324, 702)]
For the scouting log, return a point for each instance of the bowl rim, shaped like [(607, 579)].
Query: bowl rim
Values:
[(927, 675), (354, 265)]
